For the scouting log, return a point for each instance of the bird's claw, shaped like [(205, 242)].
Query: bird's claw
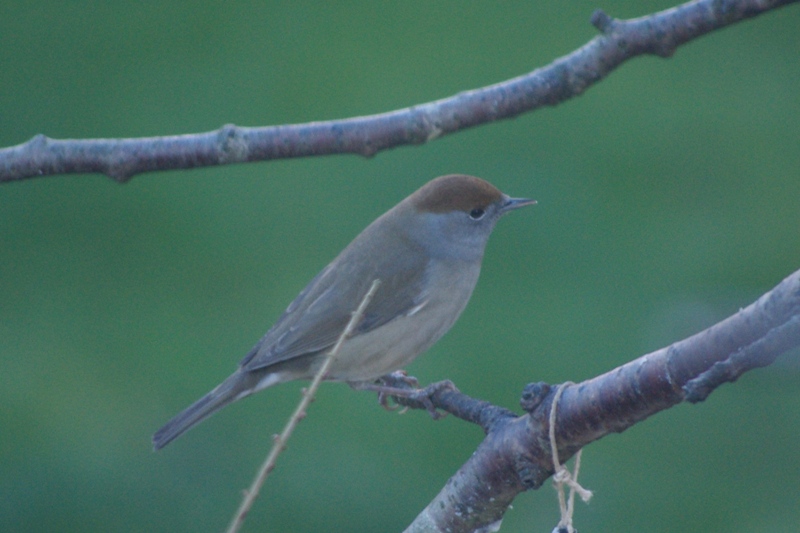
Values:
[(404, 389), (383, 400), (400, 378), (424, 396)]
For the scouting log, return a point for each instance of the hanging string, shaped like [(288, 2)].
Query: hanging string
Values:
[(562, 476)]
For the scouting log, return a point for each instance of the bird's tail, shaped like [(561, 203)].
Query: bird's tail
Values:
[(226, 392)]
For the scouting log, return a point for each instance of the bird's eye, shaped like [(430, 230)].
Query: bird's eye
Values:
[(477, 213)]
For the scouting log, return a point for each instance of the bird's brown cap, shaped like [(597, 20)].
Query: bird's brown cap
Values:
[(454, 192)]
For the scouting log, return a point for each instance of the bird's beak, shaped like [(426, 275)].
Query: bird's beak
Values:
[(515, 203)]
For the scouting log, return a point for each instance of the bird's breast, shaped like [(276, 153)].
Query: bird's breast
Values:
[(396, 343)]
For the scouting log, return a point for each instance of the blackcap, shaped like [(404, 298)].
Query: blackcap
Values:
[(426, 251)]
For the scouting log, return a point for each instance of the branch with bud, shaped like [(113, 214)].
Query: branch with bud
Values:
[(566, 77)]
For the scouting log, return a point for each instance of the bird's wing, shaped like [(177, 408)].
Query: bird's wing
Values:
[(316, 318)]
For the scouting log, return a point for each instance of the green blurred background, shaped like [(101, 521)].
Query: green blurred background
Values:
[(668, 199)]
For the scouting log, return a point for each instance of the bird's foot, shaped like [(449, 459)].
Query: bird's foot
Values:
[(404, 389)]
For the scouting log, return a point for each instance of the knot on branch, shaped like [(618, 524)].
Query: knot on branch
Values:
[(38, 142), (530, 474), (232, 145), (602, 21), (645, 35), (533, 395)]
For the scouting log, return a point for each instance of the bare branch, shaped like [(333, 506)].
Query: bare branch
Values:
[(569, 76), (515, 455)]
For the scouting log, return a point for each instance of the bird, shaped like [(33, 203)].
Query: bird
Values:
[(426, 253)]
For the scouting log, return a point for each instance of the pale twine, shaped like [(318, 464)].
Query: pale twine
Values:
[(562, 476)]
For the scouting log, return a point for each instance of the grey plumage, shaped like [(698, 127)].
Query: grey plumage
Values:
[(426, 251)]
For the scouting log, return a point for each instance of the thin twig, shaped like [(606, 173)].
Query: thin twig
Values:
[(308, 396)]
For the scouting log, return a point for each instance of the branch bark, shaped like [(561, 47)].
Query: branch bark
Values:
[(569, 76), (515, 455)]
